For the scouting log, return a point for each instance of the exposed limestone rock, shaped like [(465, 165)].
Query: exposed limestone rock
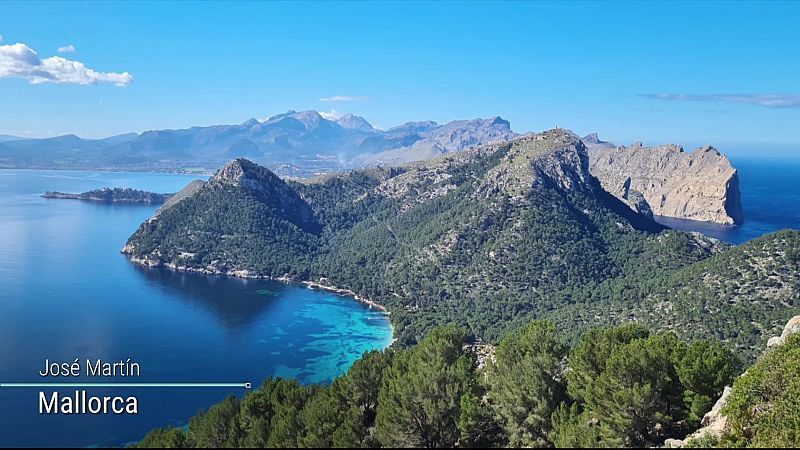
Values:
[(484, 353), (552, 158), (243, 173), (701, 185), (433, 140), (638, 203), (714, 423), (792, 327)]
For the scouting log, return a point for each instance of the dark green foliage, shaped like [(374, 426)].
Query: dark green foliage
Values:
[(169, 437), (218, 427), (524, 385), (624, 387), (283, 413), (321, 417), (588, 360), (638, 395), (487, 241), (477, 427), (113, 195), (423, 390), (764, 407), (636, 389), (705, 368), (574, 429)]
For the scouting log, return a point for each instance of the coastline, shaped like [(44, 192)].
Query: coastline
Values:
[(200, 172), (322, 284)]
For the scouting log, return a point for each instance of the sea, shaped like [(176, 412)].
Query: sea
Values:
[(67, 293)]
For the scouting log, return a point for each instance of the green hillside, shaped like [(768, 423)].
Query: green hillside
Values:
[(487, 239)]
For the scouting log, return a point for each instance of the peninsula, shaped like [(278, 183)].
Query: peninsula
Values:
[(113, 195)]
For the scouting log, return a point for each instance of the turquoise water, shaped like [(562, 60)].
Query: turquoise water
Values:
[(68, 293)]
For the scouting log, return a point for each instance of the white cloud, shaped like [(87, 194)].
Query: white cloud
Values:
[(330, 115), (20, 61), (1, 37), (67, 49), (342, 98), (766, 100)]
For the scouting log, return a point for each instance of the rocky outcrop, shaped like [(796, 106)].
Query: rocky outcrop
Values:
[(551, 159), (592, 142), (242, 189), (701, 185), (792, 327), (243, 173), (714, 423), (638, 203)]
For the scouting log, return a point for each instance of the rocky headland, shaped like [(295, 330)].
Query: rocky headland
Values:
[(700, 185)]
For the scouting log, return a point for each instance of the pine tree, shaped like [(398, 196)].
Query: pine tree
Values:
[(524, 385), (421, 395)]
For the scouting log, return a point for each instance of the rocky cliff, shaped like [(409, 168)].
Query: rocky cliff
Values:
[(701, 185)]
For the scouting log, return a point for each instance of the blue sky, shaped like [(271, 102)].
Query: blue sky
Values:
[(692, 73)]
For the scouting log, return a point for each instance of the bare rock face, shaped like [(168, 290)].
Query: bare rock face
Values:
[(638, 203), (792, 327), (701, 185)]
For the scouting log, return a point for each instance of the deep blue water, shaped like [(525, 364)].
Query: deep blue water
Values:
[(770, 189), (66, 292)]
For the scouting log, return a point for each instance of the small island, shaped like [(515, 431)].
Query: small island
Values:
[(113, 195)]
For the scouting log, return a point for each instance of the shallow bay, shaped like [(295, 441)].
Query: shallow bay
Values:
[(68, 293)]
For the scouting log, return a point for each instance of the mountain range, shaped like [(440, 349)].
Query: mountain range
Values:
[(292, 144), (655, 181)]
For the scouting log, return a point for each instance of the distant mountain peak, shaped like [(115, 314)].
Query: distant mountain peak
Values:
[(422, 125), (278, 117), (315, 142), (592, 138), (593, 142), (497, 120), (354, 122), (310, 114)]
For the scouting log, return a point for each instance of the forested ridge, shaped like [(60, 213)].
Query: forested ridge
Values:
[(486, 239)]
